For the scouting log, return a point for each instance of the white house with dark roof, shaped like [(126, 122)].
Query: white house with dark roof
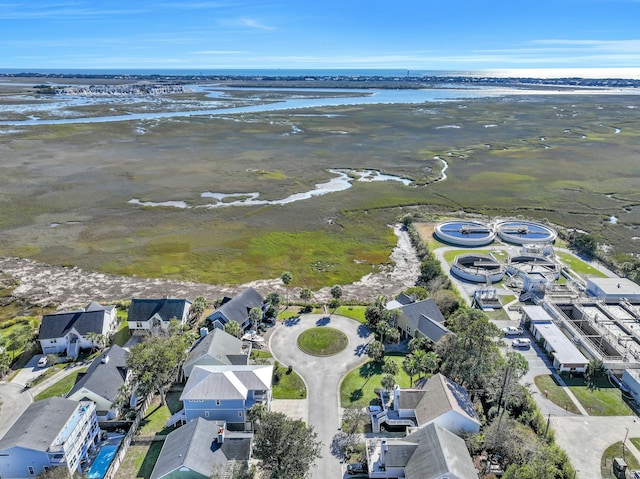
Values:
[(217, 348), (200, 449), (237, 309), (419, 318), (68, 332), (54, 432), (226, 393), (431, 452), (102, 381), (440, 401), (145, 314)]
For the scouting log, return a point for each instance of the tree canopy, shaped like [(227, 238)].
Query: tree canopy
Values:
[(286, 448)]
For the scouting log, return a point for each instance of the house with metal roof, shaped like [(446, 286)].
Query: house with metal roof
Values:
[(613, 289), (440, 401), (237, 309), (145, 314), (431, 452), (226, 393), (217, 348), (419, 319), (54, 432), (69, 332), (200, 449), (102, 381)]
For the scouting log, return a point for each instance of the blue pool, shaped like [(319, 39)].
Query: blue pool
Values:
[(101, 463)]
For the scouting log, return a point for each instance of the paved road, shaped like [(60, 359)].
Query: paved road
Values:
[(322, 376), (14, 399)]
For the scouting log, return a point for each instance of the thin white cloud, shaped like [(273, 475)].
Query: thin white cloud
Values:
[(219, 52), (29, 11), (253, 23)]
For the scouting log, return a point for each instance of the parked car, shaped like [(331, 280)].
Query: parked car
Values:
[(356, 468), (374, 409), (522, 343), (42, 362), (512, 330)]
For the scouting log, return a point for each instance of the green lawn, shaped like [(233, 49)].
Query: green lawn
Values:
[(139, 460), (60, 388), (289, 386), (616, 450), (358, 386), (601, 400), (549, 388), (158, 415), (322, 341), (353, 312), (123, 334), (578, 266)]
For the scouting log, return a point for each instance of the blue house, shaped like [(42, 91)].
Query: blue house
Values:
[(226, 393), (54, 432)]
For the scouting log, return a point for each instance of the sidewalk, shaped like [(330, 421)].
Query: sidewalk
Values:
[(574, 399), (37, 389)]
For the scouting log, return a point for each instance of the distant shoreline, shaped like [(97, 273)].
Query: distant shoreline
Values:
[(316, 81)]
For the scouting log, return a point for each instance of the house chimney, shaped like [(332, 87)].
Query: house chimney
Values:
[(203, 332), (220, 435), (105, 359)]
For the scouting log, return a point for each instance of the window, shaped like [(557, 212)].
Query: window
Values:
[(31, 471), (217, 402), (138, 324), (206, 414), (239, 413)]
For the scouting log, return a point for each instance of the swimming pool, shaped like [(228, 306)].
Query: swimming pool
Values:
[(103, 460)]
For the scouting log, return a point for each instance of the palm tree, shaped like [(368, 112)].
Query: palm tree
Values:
[(286, 280), (305, 295), (255, 315), (410, 366), (233, 328), (98, 341), (431, 361)]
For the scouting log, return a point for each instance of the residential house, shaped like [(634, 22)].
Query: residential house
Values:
[(54, 432), (237, 309), (217, 348), (440, 401), (418, 318), (144, 314), (226, 393), (200, 449), (69, 332), (431, 452), (102, 381)]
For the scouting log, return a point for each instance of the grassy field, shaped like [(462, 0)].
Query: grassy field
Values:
[(552, 391), (543, 160), (290, 385), (322, 341), (140, 460), (358, 386), (353, 312), (579, 266), (60, 388), (158, 415), (616, 450), (603, 399)]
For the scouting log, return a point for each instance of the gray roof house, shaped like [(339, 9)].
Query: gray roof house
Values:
[(54, 432), (237, 309), (440, 400), (144, 314), (199, 449), (419, 319), (102, 381), (68, 332), (430, 452), (217, 348)]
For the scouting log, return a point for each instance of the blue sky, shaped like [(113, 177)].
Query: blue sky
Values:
[(407, 35)]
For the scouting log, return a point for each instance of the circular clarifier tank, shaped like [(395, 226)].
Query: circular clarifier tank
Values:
[(523, 232), (464, 233)]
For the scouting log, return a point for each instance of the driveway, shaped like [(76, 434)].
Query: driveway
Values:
[(29, 372), (322, 376), (14, 399)]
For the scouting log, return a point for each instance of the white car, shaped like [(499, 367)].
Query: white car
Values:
[(42, 362), (521, 343), (512, 330)]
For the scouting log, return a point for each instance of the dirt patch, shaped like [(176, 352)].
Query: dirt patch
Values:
[(66, 287)]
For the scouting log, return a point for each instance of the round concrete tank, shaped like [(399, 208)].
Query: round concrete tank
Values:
[(464, 233), (477, 268), (523, 232)]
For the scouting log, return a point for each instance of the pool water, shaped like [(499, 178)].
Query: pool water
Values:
[(103, 460)]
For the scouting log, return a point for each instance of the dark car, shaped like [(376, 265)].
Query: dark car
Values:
[(356, 468)]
